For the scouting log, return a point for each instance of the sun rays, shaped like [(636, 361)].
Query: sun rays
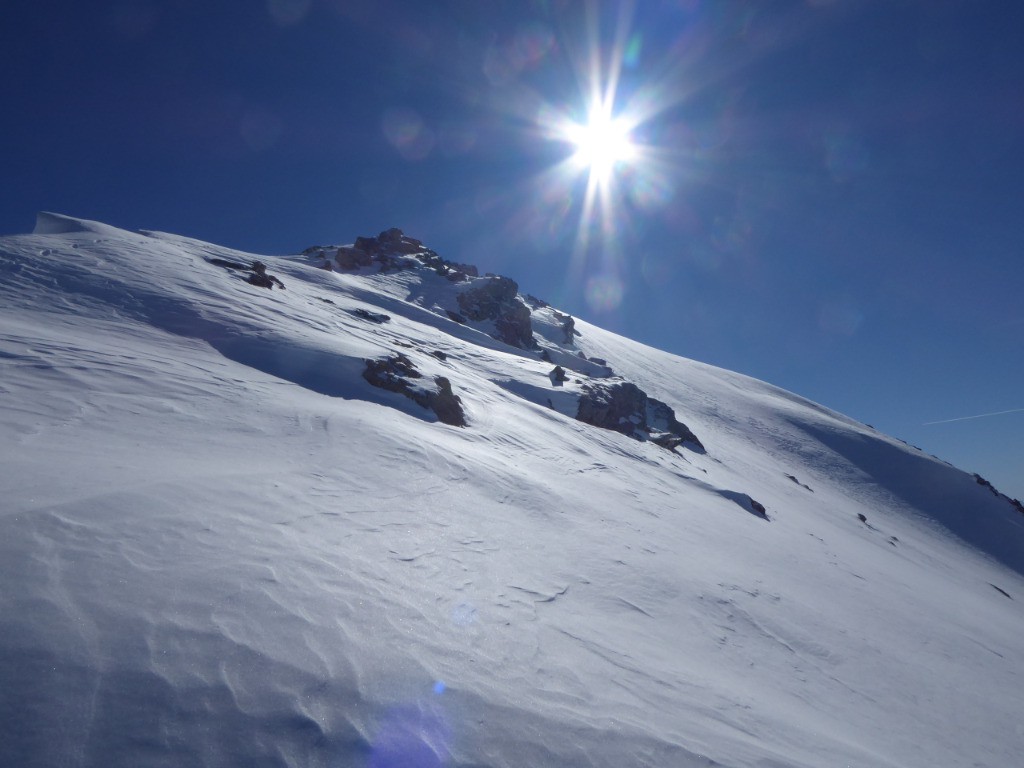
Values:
[(605, 159), (602, 143)]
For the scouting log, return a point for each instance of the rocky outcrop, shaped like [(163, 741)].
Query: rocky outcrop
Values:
[(398, 374), (446, 404), (625, 408), (259, 277), (373, 317), (568, 328), (496, 299), (1015, 503), (558, 376), (257, 272), (349, 257), (390, 251), (758, 508), (454, 272), (621, 407), (488, 298), (662, 419)]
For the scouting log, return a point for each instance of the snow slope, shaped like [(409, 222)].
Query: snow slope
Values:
[(221, 546)]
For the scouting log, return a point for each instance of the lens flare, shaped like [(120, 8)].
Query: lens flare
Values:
[(602, 143), (627, 156)]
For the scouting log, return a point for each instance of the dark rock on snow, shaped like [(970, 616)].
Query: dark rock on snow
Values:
[(620, 407), (258, 269), (625, 408), (568, 328), (352, 258), (497, 299), (260, 278), (397, 374), (373, 317), (445, 403)]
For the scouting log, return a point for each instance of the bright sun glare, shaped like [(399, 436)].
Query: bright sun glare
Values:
[(611, 172), (601, 144)]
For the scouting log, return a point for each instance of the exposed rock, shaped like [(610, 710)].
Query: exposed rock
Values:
[(1015, 503), (558, 376), (986, 484), (485, 301), (802, 485), (624, 407), (661, 417), (391, 373), (349, 257), (744, 500), (439, 354), (496, 299), (456, 317), (666, 440), (568, 328), (373, 317), (514, 327), (446, 404), (369, 245), (258, 269), (465, 269), (392, 262), (260, 278), (620, 407), (396, 374)]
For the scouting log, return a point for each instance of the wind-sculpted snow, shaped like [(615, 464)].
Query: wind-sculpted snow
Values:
[(220, 545)]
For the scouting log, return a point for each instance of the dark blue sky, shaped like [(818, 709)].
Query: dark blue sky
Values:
[(829, 195)]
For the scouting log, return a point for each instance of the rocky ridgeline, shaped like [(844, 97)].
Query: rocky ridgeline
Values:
[(619, 406), (391, 250), (491, 298), (1015, 503)]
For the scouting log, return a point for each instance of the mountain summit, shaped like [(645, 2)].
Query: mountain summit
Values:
[(363, 506)]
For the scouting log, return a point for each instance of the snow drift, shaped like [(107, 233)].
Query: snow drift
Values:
[(222, 543)]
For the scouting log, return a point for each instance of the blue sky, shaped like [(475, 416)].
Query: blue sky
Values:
[(825, 194)]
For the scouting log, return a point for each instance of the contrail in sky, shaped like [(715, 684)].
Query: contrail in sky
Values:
[(979, 416)]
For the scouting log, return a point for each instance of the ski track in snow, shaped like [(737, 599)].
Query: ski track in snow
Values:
[(220, 546)]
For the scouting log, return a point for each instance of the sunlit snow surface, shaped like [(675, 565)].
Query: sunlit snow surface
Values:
[(219, 546)]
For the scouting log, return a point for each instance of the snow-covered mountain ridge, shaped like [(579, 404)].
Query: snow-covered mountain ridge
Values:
[(243, 526)]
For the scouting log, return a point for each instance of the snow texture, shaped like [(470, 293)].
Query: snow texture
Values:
[(220, 545)]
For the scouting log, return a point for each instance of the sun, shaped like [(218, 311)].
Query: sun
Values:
[(602, 143)]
